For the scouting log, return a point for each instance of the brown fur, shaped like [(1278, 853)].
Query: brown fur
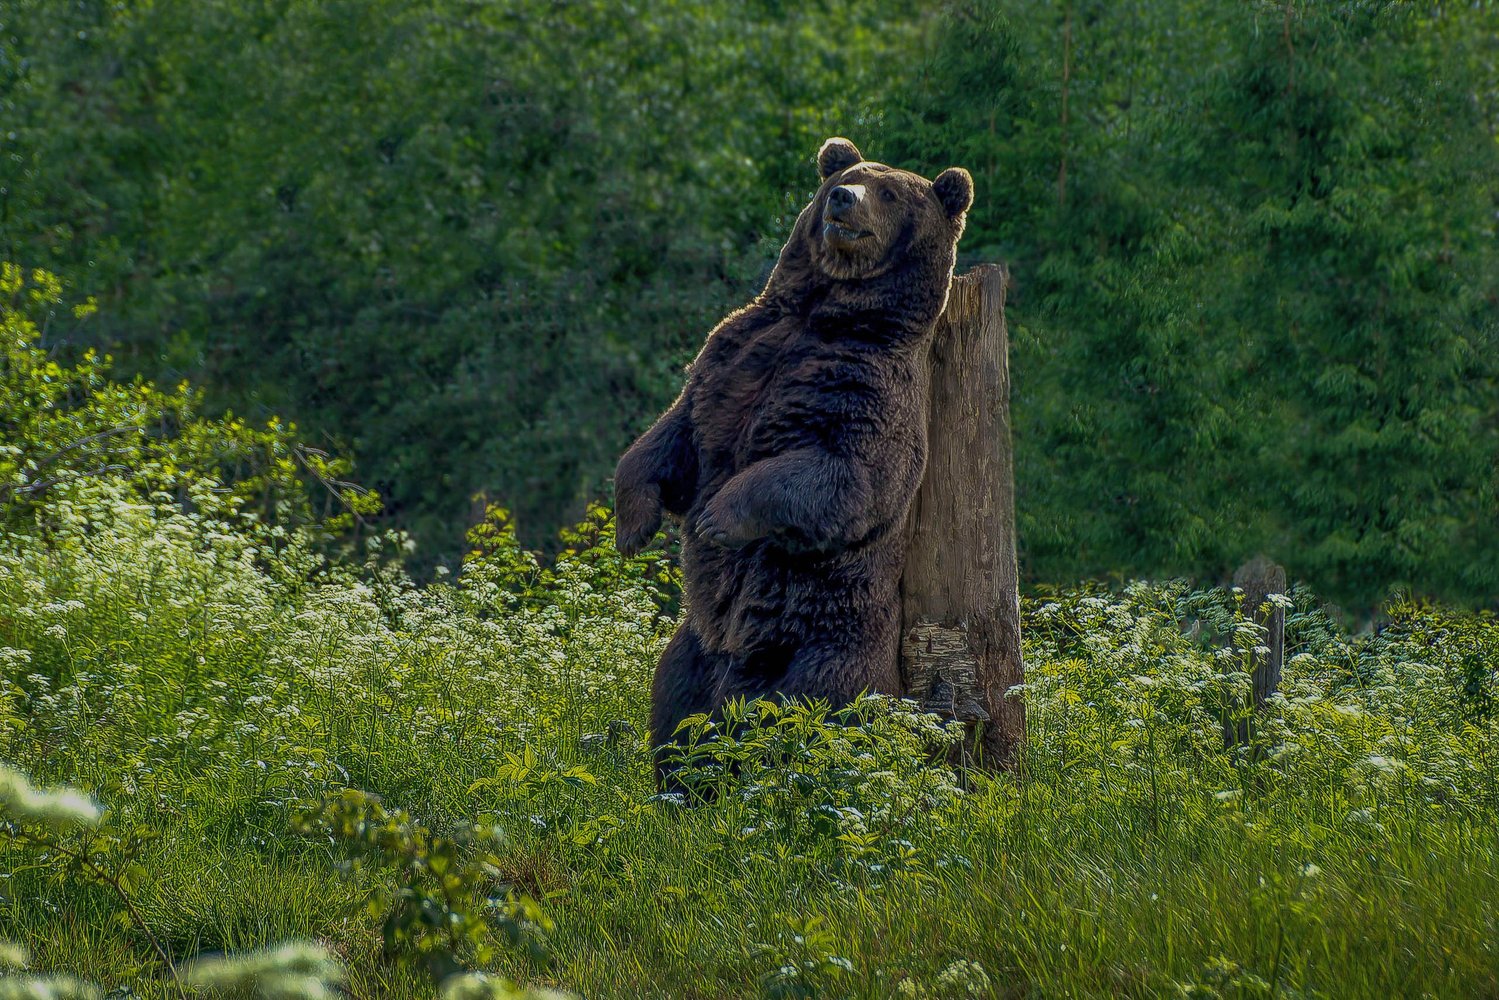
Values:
[(796, 447)]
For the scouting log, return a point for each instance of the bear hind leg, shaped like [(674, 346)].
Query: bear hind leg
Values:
[(684, 684)]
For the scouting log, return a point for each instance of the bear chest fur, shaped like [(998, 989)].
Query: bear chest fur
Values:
[(779, 387)]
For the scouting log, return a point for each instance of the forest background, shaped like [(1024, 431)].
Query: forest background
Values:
[(1256, 270)]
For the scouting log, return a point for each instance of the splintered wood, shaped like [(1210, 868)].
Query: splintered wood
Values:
[(943, 671)]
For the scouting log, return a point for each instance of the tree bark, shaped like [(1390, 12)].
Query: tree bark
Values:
[(961, 590)]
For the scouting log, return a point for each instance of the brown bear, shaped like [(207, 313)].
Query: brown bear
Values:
[(795, 449)]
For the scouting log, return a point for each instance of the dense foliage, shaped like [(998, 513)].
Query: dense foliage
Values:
[(1254, 243), (476, 241), (1257, 303), (332, 775), (63, 423)]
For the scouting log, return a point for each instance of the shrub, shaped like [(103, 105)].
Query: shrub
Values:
[(65, 422)]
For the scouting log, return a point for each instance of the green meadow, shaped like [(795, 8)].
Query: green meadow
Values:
[(280, 738)]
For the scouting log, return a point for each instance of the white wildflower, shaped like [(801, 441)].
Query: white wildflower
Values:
[(297, 970), (13, 956), (46, 988), (482, 986), (57, 808)]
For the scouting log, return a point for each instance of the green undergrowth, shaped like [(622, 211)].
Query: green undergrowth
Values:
[(221, 701), (240, 763)]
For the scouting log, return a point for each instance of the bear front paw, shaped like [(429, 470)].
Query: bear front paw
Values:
[(637, 518), (718, 526)]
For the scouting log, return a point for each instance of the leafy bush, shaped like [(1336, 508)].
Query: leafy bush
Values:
[(1383, 718), (849, 792), (1250, 313), (62, 423), (431, 914)]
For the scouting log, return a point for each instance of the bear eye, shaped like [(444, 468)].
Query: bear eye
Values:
[(887, 195)]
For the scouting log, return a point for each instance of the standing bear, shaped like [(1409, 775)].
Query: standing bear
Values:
[(795, 449)]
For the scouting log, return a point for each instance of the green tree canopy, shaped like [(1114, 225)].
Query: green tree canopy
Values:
[(1254, 243), (1257, 278), (476, 241)]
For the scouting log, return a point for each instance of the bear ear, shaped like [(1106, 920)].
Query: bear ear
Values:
[(837, 154), (954, 188)]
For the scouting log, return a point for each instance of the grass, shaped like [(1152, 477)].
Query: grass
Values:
[(208, 685)]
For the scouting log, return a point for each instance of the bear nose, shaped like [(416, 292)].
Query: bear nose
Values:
[(843, 197)]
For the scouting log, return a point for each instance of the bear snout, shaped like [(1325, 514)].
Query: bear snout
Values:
[(843, 198)]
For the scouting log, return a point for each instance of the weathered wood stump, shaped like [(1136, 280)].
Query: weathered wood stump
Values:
[(961, 588), (1258, 578)]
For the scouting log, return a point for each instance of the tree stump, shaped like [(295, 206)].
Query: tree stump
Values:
[(961, 589), (1258, 578)]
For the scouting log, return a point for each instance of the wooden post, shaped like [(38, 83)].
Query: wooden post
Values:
[(961, 589), (1259, 578)]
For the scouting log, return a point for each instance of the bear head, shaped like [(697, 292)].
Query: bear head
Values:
[(874, 239)]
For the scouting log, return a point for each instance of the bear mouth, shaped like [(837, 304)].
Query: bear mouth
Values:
[(842, 234)]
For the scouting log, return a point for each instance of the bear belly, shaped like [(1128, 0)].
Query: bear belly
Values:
[(742, 600)]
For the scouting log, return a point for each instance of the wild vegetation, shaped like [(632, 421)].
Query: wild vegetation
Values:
[(472, 244), (266, 733), (295, 771)]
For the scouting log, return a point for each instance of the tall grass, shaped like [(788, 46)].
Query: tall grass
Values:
[(207, 687)]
